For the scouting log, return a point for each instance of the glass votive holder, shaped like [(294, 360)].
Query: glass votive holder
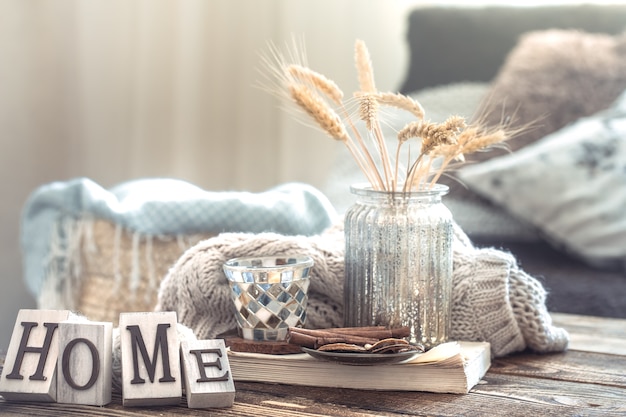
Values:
[(269, 293)]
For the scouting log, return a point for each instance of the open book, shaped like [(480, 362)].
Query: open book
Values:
[(453, 367)]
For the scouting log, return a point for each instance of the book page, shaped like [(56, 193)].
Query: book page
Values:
[(438, 353)]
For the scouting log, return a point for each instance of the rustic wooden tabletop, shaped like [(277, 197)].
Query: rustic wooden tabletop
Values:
[(587, 380)]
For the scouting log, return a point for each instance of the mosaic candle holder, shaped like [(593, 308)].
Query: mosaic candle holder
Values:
[(269, 294)]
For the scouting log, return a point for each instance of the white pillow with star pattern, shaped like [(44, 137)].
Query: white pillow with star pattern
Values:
[(570, 185)]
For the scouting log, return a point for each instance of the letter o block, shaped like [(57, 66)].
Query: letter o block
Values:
[(84, 365)]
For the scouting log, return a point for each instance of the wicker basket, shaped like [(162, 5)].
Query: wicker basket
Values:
[(121, 270)]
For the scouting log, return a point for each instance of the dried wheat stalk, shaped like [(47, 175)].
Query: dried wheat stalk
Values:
[(317, 80), (323, 101)]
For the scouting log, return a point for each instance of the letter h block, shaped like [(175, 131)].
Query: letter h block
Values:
[(206, 369), (150, 359), (29, 372), (84, 365)]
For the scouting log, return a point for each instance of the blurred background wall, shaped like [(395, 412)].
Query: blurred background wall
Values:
[(116, 90)]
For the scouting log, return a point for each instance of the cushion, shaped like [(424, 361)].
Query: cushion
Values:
[(550, 78), (571, 185), (454, 44), (553, 78)]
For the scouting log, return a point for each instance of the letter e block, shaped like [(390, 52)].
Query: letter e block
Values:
[(206, 369), (84, 365), (150, 359), (29, 372)]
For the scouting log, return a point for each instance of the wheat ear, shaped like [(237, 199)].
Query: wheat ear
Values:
[(482, 141), (433, 136), (329, 121), (365, 73), (317, 80), (369, 113), (368, 109), (472, 139), (364, 67), (317, 108), (402, 102)]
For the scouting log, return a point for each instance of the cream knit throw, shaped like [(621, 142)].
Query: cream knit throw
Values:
[(493, 299)]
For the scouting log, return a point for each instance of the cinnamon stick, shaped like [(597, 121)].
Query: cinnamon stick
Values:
[(315, 342), (314, 338), (380, 332)]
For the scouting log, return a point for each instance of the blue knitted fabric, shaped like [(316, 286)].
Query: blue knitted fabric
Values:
[(164, 207)]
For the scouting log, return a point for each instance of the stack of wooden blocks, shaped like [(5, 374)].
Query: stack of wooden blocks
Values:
[(54, 357)]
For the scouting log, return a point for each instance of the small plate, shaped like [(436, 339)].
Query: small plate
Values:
[(351, 358)]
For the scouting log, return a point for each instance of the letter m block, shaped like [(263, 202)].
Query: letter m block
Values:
[(29, 372), (150, 359)]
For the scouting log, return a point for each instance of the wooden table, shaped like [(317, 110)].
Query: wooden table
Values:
[(587, 380)]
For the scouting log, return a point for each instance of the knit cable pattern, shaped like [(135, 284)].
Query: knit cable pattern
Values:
[(493, 299), (196, 288)]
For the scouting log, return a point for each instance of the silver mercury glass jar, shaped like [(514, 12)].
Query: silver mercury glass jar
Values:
[(398, 262)]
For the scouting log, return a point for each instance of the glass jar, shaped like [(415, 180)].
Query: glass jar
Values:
[(398, 262)]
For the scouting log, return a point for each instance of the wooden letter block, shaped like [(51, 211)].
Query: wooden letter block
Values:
[(208, 380), (150, 353), (84, 365), (29, 372)]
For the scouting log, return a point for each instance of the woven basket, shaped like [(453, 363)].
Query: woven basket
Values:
[(120, 270)]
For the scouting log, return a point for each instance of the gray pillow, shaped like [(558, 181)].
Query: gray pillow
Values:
[(570, 184), (553, 78)]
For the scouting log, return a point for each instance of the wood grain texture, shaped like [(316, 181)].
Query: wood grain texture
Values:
[(207, 375), (572, 366), (499, 395), (34, 329), (84, 364), (576, 382), (150, 353), (594, 334)]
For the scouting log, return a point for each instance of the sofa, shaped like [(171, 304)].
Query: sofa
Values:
[(560, 73)]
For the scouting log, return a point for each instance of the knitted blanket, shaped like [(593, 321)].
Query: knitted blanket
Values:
[(493, 299)]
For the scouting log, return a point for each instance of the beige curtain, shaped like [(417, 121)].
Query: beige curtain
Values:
[(120, 89)]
